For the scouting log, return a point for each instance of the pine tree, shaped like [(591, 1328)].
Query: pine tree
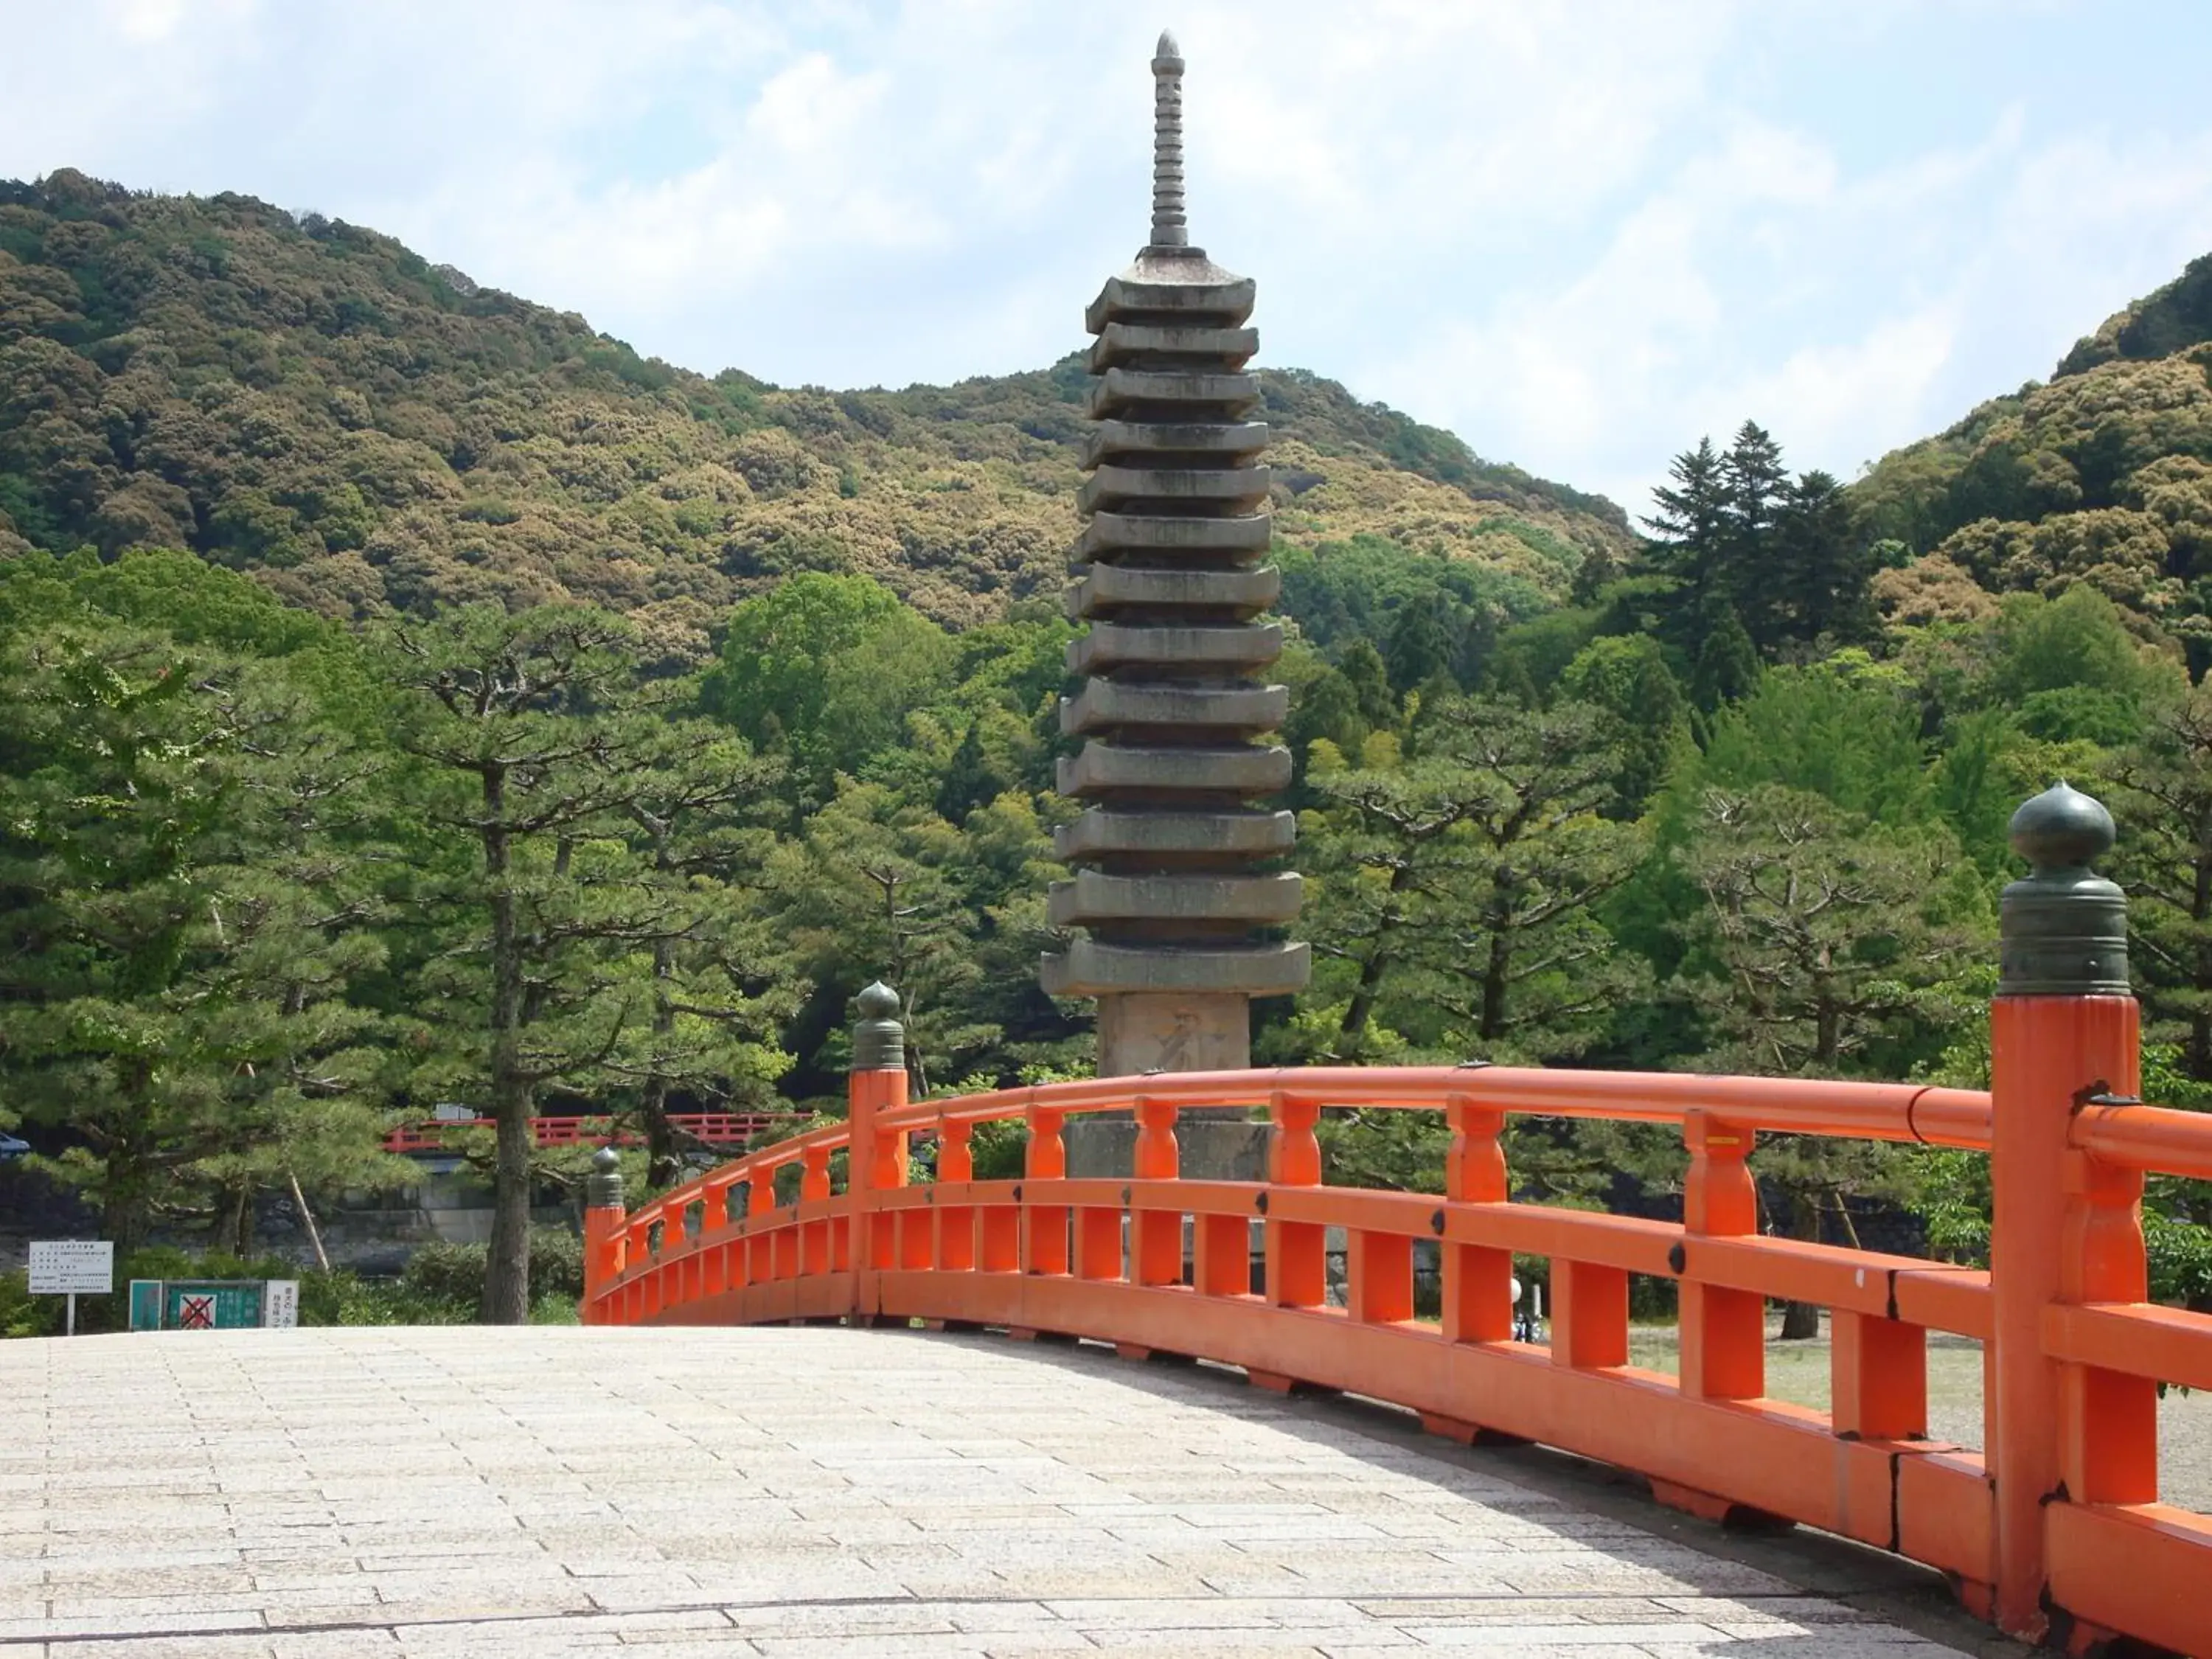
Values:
[(181, 925), (1756, 489), (1834, 937), (1458, 887), (719, 978), (1690, 532), (1725, 664), (1419, 648), (1822, 573), (969, 779), (534, 740), (1362, 665)]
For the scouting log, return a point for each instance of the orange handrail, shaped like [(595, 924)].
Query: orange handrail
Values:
[(1869, 1111), (1107, 1260), (2157, 1138)]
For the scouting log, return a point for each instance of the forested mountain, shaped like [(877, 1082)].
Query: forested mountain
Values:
[(416, 696), (312, 401), (2103, 477)]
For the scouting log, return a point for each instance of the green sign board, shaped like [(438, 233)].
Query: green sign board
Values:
[(213, 1304)]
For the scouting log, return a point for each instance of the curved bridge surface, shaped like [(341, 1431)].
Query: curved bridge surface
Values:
[(814, 1491)]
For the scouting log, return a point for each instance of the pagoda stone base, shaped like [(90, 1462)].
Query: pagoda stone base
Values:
[(1210, 1146), (1141, 1031)]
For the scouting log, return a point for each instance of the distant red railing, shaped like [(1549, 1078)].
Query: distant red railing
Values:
[(2072, 1404), (716, 1128)]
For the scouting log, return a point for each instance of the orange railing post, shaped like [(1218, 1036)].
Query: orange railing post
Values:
[(1478, 1280), (1044, 1226), (606, 1221), (874, 1161), (955, 1250), (1297, 1262), (1723, 1353), (1155, 1234), (2062, 1031)]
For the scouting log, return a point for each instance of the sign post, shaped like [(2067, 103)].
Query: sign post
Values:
[(72, 1268)]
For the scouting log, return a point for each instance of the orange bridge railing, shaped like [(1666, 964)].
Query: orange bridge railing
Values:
[(1108, 1260), (2053, 1528)]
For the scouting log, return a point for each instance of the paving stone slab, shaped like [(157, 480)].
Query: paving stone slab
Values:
[(430, 1493)]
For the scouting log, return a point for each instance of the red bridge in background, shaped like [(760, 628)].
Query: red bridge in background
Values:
[(716, 1128)]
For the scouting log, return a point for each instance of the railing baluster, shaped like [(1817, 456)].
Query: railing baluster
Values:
[(814, 1231), (1156, 1235), (2107, 1419), (1044, 1226), (759, 1203), (1221, 1255), (955, 1223), (1478, 1281), (1297, 1263), (1378, 1277), (1589, 1315), (714, 1215), (1878, 1375), (1723, 1331)]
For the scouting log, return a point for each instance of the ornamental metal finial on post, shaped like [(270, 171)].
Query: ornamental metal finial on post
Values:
[(2064, 929), (1171, 228), (878, 1039), (602, 1187)]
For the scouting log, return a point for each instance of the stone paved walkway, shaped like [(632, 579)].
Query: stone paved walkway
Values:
[(780, 1492)]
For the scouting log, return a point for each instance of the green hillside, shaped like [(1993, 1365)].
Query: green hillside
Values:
[(2103, 477), (366, 432)]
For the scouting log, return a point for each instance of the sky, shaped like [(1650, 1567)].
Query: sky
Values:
[(1581, 233)]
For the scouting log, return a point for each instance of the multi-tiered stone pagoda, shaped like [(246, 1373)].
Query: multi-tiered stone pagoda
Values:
[(1174, 884)]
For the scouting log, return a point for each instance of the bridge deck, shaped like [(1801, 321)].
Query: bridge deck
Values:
[(796, 1492)]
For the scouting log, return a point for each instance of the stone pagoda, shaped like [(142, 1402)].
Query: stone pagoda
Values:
[(1175, 877)]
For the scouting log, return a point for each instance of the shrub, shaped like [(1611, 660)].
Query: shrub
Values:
[(451, 1276)]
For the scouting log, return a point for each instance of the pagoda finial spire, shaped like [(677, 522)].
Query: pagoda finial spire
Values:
[(1170, 227)]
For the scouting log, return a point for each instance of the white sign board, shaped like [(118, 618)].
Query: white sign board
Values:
[(72, 1267), (280, 1303)]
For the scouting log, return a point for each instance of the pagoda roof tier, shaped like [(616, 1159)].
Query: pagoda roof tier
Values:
[(1172, 285), (1115, 645), (1112, 705), (1225, 441), (1107, 588), (1229, 348), (1226, 770), (1102, 832), (1237, 540), (1257, 901), (1089, 968), (1119, 391), (1206, 488)]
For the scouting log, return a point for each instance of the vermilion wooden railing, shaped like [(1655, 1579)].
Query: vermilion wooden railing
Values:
[(2073, 1401)]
